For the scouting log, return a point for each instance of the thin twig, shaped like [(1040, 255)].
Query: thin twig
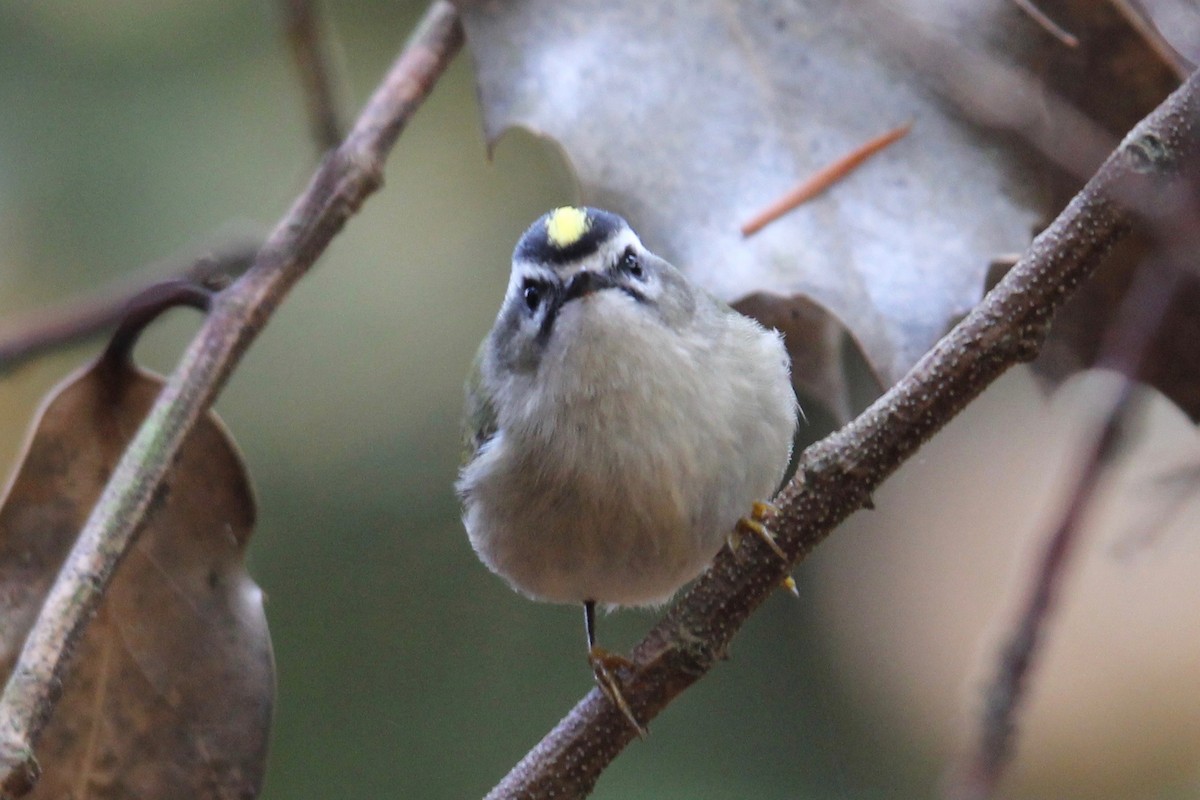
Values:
[(303, 28), (1150, 34), (1050, 26), (339, 187), (980, 774), (820, 181), (78, 320), (837, 475), (1008, 689), (148, 306), (1127, 342)]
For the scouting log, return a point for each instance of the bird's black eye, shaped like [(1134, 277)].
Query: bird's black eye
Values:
[(532, 294), (632, 264)]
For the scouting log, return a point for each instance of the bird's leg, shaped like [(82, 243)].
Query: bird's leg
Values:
[(605, 665)]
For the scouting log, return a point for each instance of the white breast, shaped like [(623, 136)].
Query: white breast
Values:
[(622, 465)]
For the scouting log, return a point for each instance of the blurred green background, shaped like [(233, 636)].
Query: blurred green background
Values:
[(132, 131)]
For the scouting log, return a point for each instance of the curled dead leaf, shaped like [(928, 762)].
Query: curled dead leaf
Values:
[(171, 689), (814, 340), (688, 116)]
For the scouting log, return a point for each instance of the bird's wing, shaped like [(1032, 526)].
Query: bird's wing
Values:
[(479, 416)]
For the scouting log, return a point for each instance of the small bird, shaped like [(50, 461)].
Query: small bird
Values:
[(619, 423)]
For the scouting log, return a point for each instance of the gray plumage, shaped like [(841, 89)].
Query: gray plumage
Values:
[(619, 420)]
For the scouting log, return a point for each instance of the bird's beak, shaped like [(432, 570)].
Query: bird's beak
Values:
[(586, 282)]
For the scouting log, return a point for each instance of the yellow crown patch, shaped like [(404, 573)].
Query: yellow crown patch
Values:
[(565, 226)]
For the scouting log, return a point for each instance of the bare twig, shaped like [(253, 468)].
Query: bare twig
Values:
[(77, 320), (979, 775), (998, 95), (837, 475), (150, 304), (303, 29), (343, 181), (1050, 26), (1173, 219), (1145, 28), (822, 180)]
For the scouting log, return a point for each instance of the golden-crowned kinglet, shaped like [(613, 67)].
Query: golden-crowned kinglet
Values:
[(619, 420)]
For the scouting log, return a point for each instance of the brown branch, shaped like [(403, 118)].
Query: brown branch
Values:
[(303, 29), (837, 475), (82, 319), (1150, 34), (980, 773), (341, 184), (978, 779), (1171, 218), (149, 305)]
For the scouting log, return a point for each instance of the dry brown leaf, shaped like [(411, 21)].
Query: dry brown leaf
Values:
[(1177, 23), (1111, 54), (689, 117), (171, 690), (816, 360)]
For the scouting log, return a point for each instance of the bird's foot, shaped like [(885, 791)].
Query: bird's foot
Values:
[(754, 525), (605, 665)]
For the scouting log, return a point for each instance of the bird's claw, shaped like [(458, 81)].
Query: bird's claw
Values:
[(763, 511), (605, 665), (753, 525)]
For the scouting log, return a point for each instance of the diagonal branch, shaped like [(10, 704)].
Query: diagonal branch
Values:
[(341, 184), (837, 475)]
